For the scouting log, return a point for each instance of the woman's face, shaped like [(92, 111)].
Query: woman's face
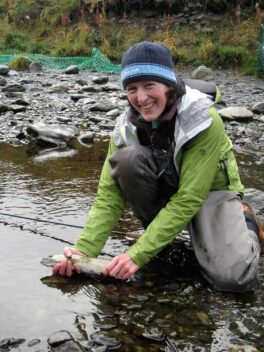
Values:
[(149, 98)]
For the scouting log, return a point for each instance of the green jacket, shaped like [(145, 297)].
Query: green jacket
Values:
[(205, 162)]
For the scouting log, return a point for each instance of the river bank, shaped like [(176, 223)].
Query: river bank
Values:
[(92, 101)]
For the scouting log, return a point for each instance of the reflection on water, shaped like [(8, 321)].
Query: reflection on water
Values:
[(165, 309)]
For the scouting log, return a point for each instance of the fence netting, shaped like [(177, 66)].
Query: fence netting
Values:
[(97, 62)]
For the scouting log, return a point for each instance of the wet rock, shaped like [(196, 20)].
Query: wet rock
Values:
[(111, 87), (17, 108), (92, 346), (59, 337), (51, 135), (113, 113), (258, 108), (89, 89), (86, 138), (11, 342), (100, 79), (58, 88), (33, 342), (63, 341), (4, 69), (76, 97), (81, 82), (153, 334), (3, 108), (15, 87), (35, 67), (64, 119), (72, 70), (14, 95), (104, 326), (102, 106), (86, 101), (3, 82), (20, 101), (236, 113), (105, 340)]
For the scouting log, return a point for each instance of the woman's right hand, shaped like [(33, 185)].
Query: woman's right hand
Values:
[(66, 267)]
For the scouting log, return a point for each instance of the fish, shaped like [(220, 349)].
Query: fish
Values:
[(88, 266)]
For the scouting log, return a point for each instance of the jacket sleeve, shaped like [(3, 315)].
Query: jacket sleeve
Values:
[(104, 214), (200, 159)]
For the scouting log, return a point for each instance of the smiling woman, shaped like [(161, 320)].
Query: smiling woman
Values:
[(171, 160), (148, 98)]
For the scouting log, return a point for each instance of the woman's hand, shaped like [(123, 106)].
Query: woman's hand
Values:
[(121, 267), (66, 267)]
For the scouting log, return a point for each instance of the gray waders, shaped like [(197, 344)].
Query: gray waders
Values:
[(226, 249)]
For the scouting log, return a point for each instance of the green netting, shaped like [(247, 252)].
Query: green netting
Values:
[(260, 50), (97, 62)]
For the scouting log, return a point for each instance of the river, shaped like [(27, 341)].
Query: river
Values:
[(165, 307)]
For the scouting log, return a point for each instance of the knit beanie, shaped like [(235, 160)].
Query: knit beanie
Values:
[(147, 61)]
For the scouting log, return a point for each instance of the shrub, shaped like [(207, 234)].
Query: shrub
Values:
[(20, 63)]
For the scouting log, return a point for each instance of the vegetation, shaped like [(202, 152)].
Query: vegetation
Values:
[(74, 27), (20, 63)]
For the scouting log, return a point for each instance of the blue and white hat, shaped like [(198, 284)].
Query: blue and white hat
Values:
[(148, 61)]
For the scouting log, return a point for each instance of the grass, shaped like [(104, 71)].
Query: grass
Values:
[(229, 45), (20, 63)]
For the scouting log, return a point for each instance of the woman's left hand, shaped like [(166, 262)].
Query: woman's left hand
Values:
[(121, 267)]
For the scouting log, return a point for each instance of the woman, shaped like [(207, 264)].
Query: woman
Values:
[(171, 160)]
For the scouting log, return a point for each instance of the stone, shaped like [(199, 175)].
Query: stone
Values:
[(76, 97), (4, 69), (14, 87), (86, 138), (17, 108), (63, 341), (51, 135), (3, 82), (81, 82), (4, 108), (203, 72), (58, 88), (111, 87), (59, 337), (236, 113), (102, 106), (258, 108), (100, 79), (72, 70), (21, 101), (90, 89), (35, 67), (113, 113), (33, 342)]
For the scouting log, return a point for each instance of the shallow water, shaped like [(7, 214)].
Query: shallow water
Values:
[(159, 310)]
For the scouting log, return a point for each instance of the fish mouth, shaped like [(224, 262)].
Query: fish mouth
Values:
[(47, 261)]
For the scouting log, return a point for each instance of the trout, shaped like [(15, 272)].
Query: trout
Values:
[(88, 266)]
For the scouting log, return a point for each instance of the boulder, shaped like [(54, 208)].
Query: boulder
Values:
[(236, 113), (203, 73)]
